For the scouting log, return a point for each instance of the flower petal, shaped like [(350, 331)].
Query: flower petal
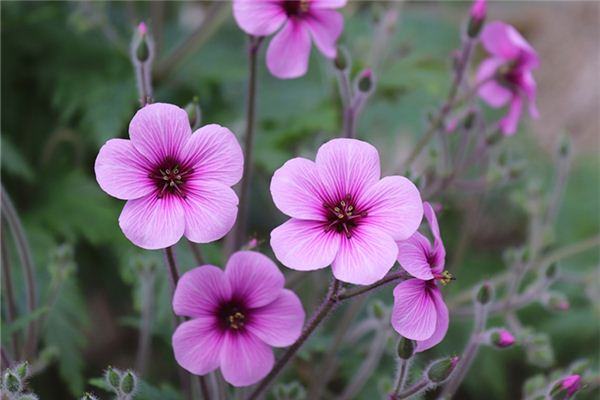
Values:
[(325, 27), (304, 245), (320, 4), (214, 153), (159, 131), (258, 18), (245, 359), (497, 39), (412, 256), (122, 171), (210, 210), (254, 278), (439, 251), (491, 91), (509, 123), (441, 325), (297, 191), (279, 323), (197, 345), (151, 222), (530, 88), (366, 257), (288, 52), (394, 205), (347, 167), (414, 314), (200, 291)]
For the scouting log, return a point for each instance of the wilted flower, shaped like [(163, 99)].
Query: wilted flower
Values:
[(237, 315), (505, 77), (175, 182), (419, 311), (299, 20), (342, 213)]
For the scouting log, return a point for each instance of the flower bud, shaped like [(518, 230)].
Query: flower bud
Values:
[(28, 396), (128, 383), (377, 309), (89, 396), (22, 370), (112, 376), (406, 348), (556, 302), (493, 138), (365, 80), (534, 384), (579, 367), (194, 113), (142, 52), (539, 351), (566, 387), (440, 370), (485, 293), (502, 338), (477, 18), (552, 271), (341, 59), (12, 383), (564, 146), (470, 119)]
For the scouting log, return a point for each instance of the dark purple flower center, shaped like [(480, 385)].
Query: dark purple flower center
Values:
[(343, 216), (295, 7), (233, 315), (169, 178)]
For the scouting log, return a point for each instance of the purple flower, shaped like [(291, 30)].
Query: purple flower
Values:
[(175, 182), (419, 312), (502, 338), (342, 213), (236, 316), (505, 76), (299, 20), (566, 387), (478, 10)]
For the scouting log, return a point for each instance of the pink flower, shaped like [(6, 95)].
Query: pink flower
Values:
[(142, 29), (175, 182), (478, 10), (419, 312), (342, 213), (299, 20), (236, 316), (569, 384), (503, 338), (507, 73)]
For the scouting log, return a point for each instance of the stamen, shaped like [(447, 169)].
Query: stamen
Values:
[(445, 277)]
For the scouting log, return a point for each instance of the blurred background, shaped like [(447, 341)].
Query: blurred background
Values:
[(68, 86)]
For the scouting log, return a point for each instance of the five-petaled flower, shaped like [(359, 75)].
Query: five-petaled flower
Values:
[(505, 77), (297, 21), (342, 213), (236, 316), (419, 312), (175, 182)]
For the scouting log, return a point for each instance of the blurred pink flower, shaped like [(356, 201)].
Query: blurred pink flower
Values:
[(236, 316), (478, 10), (419, 312), (570, 384), (342, 213), (175, 182), (505, 77), (299, 20), (503, 338), (142, 29)]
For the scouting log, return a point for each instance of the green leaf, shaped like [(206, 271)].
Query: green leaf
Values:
[(22, 322), (13, 162)]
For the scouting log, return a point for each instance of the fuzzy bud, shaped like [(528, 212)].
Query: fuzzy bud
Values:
[(566, 387), (341, 59), (365, 80), (485, 293), (12, 383), (112, 376), (28, 396), (470, 119), (557, 302), (440, 370), (88, 396), (406, 348), (22, 370), (533, 385), (539, 351), (552, 271), (477, 18), (128, 383), (502, 338), (143, 51), (378, 309), (194, 113)]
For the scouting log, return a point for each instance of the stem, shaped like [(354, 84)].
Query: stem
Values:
[(197, 252), (458, 375), (411, 391), (11, 307), (446, 107), (347, 294), (7, 362), (24, 251), (328, 303), (562, 175), (144, 348), (240, 226), (401, 380)]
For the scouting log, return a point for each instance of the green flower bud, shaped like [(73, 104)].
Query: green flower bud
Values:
[(533, 384), (113, 377), (552, 271), (378, 309), (194, 113), (341, 59), (128, 383), (22, 370), (406, 348), (142, 52), (440, 370), (365, 80), (89, 396), (485, 293), (564, 147), (12, 383)]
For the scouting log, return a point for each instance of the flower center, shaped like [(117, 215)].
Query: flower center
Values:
[(295, 7), (233, 316), (343, 216), (445, 277), (169, 178)]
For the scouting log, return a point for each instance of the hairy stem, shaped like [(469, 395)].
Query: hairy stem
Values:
[(347, 294), (412, 390), (401, 378), (240, 227), (11, 307), (319, 315), (143, 351)]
